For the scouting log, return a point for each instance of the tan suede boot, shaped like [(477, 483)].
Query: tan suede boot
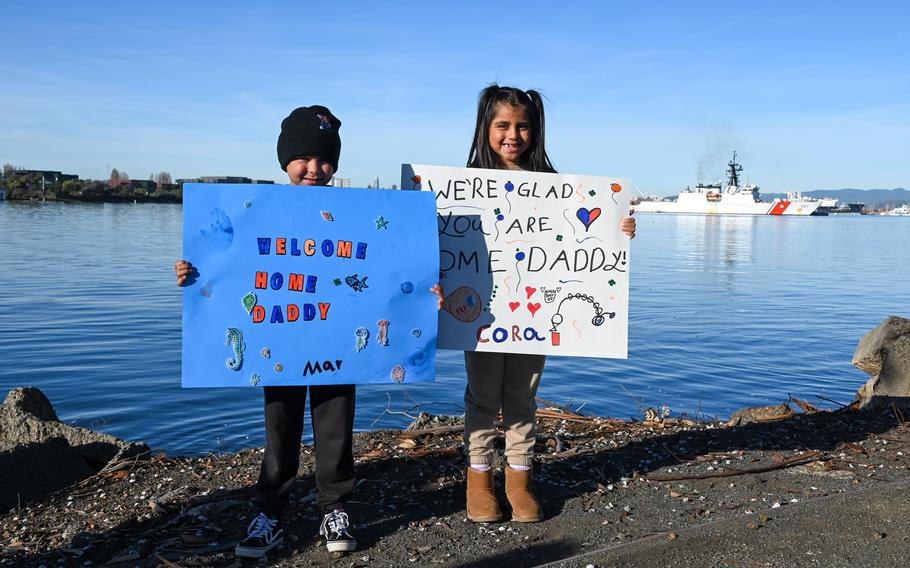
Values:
[(525, 508), (482, 504)]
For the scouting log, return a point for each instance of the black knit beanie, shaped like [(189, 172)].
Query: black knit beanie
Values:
[(309, 131)]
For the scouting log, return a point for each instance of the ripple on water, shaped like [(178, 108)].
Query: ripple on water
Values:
[(724, 313)]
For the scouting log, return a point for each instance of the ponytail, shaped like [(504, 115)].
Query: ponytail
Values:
[(537, 158)]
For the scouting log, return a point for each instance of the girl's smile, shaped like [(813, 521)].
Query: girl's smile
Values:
[(510, 134)]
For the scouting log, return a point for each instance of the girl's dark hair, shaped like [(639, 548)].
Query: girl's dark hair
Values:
[(535, 157)]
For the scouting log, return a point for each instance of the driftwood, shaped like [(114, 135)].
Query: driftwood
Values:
[(547, 413), (410, 434), (795, 460), (434, 452), (551, 405), (752, 414), (167, 562), (806, 407), (556, 415)]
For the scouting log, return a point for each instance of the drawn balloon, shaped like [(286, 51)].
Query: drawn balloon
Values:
[(615, 188)]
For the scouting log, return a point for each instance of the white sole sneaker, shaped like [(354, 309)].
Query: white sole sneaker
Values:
[(341, 546), (256, 552)]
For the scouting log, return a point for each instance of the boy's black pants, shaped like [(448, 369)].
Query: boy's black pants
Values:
[(332, 412)]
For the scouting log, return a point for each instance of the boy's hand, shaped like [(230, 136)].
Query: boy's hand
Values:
[(437, 289), (184, 270), (627, 225)]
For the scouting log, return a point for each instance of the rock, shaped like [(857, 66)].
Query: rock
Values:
[(31, 401), (884, 353), (760, 414), (39, 454), (425, 420)]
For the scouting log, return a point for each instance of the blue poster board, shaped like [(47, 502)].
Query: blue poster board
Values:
[(303, 285)]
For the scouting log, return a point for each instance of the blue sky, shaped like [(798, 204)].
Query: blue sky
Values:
[(811, 94)]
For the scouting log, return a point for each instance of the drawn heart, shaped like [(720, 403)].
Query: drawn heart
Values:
[(587, 216), (530, 291), (533, 308), (514, 305)]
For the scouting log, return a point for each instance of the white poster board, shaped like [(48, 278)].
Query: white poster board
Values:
[(530, 262)]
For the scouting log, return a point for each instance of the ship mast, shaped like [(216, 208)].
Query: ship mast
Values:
[(733, 170)]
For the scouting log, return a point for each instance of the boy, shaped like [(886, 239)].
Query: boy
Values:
[(308, 149)]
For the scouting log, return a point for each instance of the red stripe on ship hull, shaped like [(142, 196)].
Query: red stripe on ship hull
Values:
[(779, 208)]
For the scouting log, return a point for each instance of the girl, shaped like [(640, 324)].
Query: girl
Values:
[(509, 135)]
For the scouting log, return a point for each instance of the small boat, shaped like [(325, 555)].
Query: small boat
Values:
[(902, 211)]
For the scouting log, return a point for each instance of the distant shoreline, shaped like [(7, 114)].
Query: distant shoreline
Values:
[(167, 198)]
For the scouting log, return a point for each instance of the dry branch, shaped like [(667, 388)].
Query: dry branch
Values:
[(432, 431), (557, 415), (557, 406), (795, 460)]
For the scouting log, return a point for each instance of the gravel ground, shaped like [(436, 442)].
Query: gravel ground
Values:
[(605, 485)]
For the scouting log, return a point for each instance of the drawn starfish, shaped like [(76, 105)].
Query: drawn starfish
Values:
[(337, 282), (381, 223)]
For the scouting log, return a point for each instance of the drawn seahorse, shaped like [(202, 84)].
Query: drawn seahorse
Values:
[(235, 340)]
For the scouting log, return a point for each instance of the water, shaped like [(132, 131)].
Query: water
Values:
[(726, 312)]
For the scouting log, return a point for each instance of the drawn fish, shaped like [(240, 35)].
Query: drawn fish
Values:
[(356, 283), (235, 341), (464, 304)]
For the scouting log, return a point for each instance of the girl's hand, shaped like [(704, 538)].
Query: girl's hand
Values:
[(184, 270), (437, 289), (627, 225)]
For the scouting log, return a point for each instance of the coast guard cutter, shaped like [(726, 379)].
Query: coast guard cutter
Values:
[(735, 199)]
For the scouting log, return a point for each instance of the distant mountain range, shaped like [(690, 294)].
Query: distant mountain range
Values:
[(870, 197)]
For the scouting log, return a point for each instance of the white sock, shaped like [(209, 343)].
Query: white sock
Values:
[(520, 467), (480, 466)]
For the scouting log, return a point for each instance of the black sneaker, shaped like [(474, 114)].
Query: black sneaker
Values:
[(334, 528), (261, 537)]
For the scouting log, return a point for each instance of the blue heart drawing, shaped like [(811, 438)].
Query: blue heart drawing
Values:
[(587, 216)]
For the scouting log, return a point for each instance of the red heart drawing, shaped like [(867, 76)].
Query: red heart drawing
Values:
[(514, 305), (533, 308), (530, 291), (595, 213)]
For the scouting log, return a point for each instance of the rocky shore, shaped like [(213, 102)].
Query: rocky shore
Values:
[(785, 485), (603, 482)]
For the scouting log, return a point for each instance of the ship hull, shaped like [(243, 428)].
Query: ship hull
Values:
[(786, 208)]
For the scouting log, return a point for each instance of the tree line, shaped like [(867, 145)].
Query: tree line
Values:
[(118, 188)]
